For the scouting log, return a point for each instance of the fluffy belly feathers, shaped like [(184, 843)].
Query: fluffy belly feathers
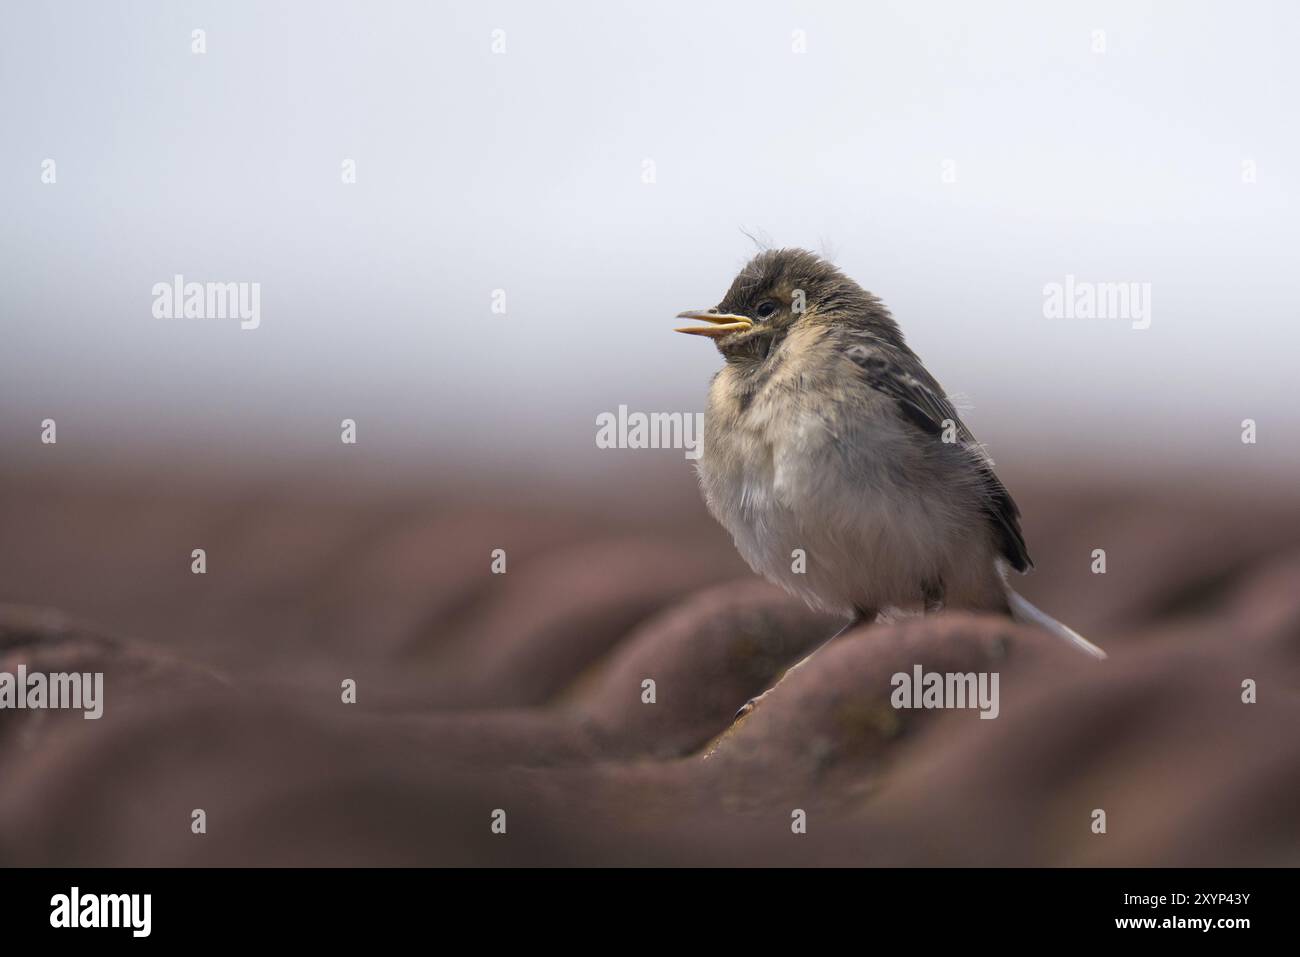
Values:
[(842, 533)]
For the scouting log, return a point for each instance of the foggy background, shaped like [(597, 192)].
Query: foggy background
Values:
[(523, 171), (183, 441)]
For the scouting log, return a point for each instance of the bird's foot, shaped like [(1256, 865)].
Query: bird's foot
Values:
[(748, 707)]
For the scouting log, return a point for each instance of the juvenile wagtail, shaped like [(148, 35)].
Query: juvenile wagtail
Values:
[(824, 432)]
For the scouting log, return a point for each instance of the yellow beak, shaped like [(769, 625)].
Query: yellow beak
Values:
[(723, 323)]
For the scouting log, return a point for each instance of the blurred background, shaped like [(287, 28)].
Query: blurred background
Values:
[(953, 162), (598, 168)]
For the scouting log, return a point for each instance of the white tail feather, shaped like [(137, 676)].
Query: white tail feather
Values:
[(1023, 611)]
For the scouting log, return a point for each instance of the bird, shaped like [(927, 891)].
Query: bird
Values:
[(839, 465)]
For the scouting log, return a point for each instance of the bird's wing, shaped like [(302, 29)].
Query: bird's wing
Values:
[(898, 374)]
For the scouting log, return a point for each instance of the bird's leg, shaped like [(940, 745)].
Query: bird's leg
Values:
[(932, 592), (860, 616)]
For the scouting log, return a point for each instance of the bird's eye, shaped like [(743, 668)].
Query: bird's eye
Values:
[(765, 309)]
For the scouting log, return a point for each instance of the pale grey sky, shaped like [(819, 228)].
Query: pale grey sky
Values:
[(524, 171)]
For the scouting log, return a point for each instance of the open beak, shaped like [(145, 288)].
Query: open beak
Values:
[(723, 323)]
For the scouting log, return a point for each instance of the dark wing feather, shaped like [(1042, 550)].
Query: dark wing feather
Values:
[(920, 399)]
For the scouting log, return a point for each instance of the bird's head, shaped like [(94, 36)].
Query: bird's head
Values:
[(778, 291)]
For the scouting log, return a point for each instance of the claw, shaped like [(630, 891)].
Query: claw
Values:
[(744, 712)]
